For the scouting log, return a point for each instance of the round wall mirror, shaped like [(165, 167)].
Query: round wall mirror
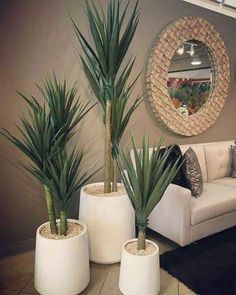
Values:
[(188, 76)]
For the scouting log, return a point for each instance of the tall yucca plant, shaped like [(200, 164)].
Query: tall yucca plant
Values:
[(146, 180), (44, 133), (121, 116), (66, 178), (102, 61)]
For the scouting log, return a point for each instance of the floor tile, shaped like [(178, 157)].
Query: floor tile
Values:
[(98, 276), (16, 275), (8, 292), (111, 284), (163, 243), (183, 290), (30, 288), (169, 285), (16, 271)]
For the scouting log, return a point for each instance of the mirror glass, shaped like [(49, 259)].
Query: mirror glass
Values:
[(190, 77)]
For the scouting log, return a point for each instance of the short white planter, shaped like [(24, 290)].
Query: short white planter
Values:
[(110, 222), (62, 266), (139, 275)]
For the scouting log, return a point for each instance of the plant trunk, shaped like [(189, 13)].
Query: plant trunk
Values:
[(107, 157), (51, 210), (141, 240), (63, 223), (114, 176)]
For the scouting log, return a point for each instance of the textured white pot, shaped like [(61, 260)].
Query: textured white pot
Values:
[(139, 275), (110, 222), (62, 266)]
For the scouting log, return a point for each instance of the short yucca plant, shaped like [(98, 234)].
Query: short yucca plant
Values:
[(146, 180), (66, 177), (108, 73), (46, 131)]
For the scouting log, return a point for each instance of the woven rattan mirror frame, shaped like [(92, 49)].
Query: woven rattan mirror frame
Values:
[(168, 41)]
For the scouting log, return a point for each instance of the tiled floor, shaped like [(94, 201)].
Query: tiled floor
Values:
[(16, 276)]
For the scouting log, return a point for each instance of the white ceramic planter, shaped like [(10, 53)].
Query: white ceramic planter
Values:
[(62, 266), (110, 222), (139, 275)]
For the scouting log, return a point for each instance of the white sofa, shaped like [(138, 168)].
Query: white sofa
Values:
[(183, 218)]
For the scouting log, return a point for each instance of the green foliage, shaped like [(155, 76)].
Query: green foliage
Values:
[(66, 176), (147, 178), (66, 108), (47, 129), (39, 142), (103, 59), (44, 136), (193, 95), (104, 66), (120, 113)]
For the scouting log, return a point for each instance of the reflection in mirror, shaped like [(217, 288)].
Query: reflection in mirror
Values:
[(190, 77)]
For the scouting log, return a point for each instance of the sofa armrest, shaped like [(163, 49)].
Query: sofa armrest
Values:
[(171, 217)]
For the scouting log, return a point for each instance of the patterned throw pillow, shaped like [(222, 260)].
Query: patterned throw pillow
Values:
[(193, 173), (233, 150)]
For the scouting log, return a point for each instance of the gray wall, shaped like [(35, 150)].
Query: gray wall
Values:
[(36, 38)]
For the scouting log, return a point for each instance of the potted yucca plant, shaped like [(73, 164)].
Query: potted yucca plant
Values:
[(104, 207), (62, 261), (61, 256), (145, 179)]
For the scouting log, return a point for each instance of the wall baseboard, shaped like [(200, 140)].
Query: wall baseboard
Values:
[(17, 248)]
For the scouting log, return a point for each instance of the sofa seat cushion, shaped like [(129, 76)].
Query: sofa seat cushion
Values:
[(216, 200), (225, 181)]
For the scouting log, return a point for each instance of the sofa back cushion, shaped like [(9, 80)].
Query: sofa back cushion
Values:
[(215, 158), (199, 151), (218, 160)]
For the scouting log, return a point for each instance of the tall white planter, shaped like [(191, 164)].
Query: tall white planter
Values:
[(139, 275), (62, 266), (110, 222)]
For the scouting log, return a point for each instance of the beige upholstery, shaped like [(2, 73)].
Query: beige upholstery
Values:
[(216, 200), (227, 181), (218, 160), (212, 226), (183, 218), (171, 217)]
